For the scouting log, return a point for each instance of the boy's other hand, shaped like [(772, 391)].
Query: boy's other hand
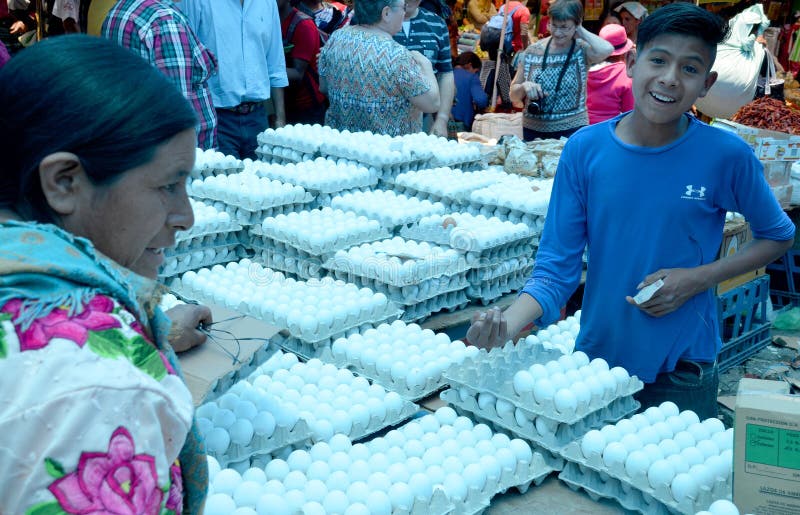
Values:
[(680, 284)]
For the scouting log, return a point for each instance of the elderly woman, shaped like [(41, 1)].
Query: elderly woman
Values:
[(374, 83), (94, 415), (551, 78)]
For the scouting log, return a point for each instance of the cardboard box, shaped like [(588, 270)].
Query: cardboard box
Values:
[(766, 453), (207, 366), (736, 235), (767, 145)]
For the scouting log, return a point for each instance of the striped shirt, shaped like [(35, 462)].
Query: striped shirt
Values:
[(160, 33), (428, 35)]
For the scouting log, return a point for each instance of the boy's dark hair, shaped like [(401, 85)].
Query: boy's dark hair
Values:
[(465, 58), (684, 19)]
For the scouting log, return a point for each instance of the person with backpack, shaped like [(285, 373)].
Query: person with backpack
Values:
[(516, 34), (302, 41)]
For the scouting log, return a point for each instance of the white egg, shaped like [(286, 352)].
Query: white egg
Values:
[(614, 454), (660, 474), (219, 504), (723, 507), (637, 463), (593, 443), (402, 496), (565, 402), (684, 487), (523, 382)]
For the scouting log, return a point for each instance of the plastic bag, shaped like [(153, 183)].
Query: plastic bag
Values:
[(788, 320), (738, 65)]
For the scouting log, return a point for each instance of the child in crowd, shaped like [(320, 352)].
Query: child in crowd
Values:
[(648, 191), (609, 90), (469, 92)]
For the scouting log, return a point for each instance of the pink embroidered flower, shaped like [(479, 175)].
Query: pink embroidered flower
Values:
[(136, 326), (175, 495), (114, 482), (94, 317)]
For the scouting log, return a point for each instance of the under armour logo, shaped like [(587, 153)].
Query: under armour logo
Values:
[(695, 193)]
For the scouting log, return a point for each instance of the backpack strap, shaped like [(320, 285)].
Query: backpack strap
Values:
[(296, 18)]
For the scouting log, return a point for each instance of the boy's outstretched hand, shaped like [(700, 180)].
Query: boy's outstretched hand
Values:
[(489, 329), (680, 284)]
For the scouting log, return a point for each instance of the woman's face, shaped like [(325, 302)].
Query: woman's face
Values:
[(630, 23), (397, 11), (133, 219), (562, 32)]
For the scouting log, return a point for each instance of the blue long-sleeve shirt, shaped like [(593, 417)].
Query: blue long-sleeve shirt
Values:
[(468, 92), (246, 38), (639, 210)]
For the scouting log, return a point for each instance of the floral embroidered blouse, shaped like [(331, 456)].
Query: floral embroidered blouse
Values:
[(92, 415)]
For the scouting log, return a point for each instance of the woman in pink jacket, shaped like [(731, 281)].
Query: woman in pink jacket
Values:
[(608, 87)]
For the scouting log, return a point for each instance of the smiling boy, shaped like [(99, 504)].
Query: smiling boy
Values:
[(648, 191)]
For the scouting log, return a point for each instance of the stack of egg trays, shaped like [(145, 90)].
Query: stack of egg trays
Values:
[(493, 372), (264, 239), (450, 302), (632, 493), (485, 291), (283, 437), (358, 432), (461, 237), (534, 221), (186, 262), (408, 295), (248, 218), (278, 154), (231, 165), (367, 180), (208, 240), (223, 383), (392, 221), (457, 191), (300, 266)]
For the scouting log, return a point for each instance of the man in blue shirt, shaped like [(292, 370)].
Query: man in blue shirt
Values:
[(648, 192), (245, 35)]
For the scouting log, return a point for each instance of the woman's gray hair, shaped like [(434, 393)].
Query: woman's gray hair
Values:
[(368, 12), (564, 10)]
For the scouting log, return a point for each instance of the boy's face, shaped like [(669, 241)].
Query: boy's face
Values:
[(669, 75)]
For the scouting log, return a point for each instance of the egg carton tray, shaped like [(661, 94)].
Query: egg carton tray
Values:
[(208, 241), (260, 444), (608, 488), (260, 204), (510, 267), (488, 291), (557, 434), (222, 384), (389, 274), (639, 488), (334, 185), (535, 222), (525, 475), (281, 155), (400, 161), (392, 221), (494, 374), (448, 302), (457, 196), (201, 231), (268, 239), (273, 139), (496, 257), (235, 253), (414, 293), (461, 239), (248, 218), (203, 173), (303, 269)]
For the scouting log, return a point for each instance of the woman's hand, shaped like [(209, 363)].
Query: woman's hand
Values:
[(533, 90), (186, 320), (489, 329)]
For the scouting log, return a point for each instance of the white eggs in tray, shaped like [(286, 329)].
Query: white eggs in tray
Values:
[(332, 400), (516, 193), (401, 357), (169, 301), (467, 232), (443, 152), (446, 183), (310, 310), (662, 460), (300, 137), (248, 191), (211, 162), (377, 150), (320, 175), (398, 261), (321, 231), (207, 220), (388, 207), (248, 420), (560, 335)]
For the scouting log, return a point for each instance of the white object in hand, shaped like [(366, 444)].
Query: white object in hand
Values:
[(647, 292)]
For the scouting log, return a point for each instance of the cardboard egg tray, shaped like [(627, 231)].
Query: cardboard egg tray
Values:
[(283, 138), (208, 240), (260, 204), (268, 239), (260, 444), (487, 291), (277, 154), (596, 487), (207, 229), (518, 265), (309, 176), (183, 265), (447, 302), (376, 210), (462, 239), (324, 199), (559, 434), (223, 383), (247, 218), (637, 491), (494, 373), (384, 159), (410, 294), (295, 267), (496, 257), (428, 182)]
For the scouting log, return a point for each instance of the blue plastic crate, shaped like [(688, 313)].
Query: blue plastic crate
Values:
[(743, 322), (785, 280)]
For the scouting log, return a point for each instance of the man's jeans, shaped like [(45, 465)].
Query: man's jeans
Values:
[(693, 386)]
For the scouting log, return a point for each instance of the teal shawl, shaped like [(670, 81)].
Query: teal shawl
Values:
[(48, 267)]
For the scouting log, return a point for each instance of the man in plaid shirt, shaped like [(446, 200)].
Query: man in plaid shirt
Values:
[(160, 33)]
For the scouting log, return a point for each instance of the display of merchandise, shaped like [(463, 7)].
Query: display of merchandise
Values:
[(312, 310), (514, 198), (320, 175), (389, 208), (401, 357), (331, 400), (468, 232), (447, 185), (658, 461), (213, 239), (492, 282), (212, 162), (303, 140), (443, 151)]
